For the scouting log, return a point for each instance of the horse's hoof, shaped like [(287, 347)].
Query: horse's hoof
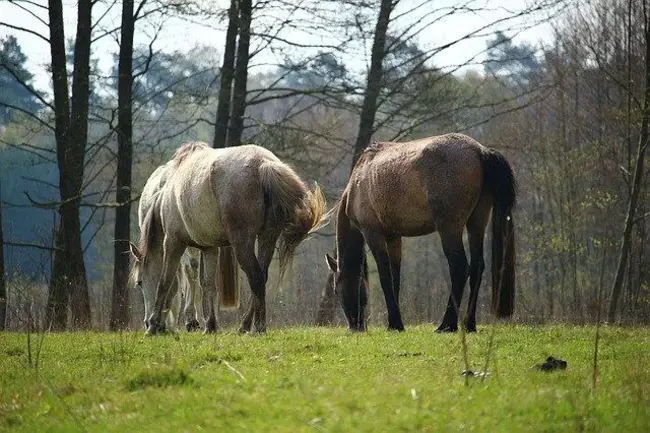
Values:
[(470, 328), (244, 328), (446, 328), (153, 329), (209, 329), (399, 328), (192, 325), (210, 326)]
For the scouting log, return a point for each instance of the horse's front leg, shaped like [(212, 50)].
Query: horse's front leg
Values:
[(208, 283), (394, 246), (172, 252), (196, 293), (379, 249), (173, 309)]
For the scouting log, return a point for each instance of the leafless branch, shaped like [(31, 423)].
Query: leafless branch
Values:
[(22, 29), (26, 86), (28, 113), (31, 245)]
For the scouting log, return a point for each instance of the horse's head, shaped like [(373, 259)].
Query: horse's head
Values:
[(143, 277), (350, 288)]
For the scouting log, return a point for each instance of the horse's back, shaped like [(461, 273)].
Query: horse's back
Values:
[(416, 187), (209, 185)]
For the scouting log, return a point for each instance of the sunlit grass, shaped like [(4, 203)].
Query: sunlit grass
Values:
[(302, 379)]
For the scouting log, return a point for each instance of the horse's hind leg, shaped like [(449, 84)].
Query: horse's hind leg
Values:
[(244, 249), (476, 234), (265, 248), (379, 249), (452, 245)]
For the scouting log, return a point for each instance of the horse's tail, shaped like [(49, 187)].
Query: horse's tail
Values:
[(228, 278), (499, 180), (291, 205)]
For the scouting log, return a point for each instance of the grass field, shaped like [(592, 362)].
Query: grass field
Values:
[(310, 379)]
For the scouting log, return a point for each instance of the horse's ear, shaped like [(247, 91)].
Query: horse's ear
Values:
[(331, 262), (135, 251)]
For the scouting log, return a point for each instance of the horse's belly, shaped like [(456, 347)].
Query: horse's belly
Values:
[(201, 217), (206, 230)]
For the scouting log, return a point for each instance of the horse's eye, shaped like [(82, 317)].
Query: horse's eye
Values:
[(139, 283)]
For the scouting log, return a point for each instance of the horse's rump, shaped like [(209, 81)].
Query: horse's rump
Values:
[(291, 205)]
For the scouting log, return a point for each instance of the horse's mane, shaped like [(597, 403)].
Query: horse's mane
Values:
[(187, 149), (376, 146)]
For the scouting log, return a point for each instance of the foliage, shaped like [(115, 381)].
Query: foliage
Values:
[(13, 73)]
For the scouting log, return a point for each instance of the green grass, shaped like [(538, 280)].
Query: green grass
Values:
[(306, 379)]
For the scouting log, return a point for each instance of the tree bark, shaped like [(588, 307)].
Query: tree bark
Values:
[(374, 82), (3, 287), (637, 184), (57, 302), (236, 127), (68, 280), (227, 73), (120, 299)]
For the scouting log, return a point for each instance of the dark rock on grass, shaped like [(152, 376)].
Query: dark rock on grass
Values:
[(552, 364)]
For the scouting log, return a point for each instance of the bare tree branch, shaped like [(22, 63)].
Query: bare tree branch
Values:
[(30, 245), (28, 113)]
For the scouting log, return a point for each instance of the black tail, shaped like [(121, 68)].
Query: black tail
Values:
[(499, 180)]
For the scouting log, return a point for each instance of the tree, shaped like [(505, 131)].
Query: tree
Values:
[(374, 80), (366, 123), (227, 73), (236, 125), (3, 287), (68, 283), (120, 299), (644, 140)]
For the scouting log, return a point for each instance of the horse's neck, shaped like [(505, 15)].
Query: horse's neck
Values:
[(349, 241)]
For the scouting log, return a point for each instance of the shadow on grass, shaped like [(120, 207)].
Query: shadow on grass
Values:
[(159, 377)]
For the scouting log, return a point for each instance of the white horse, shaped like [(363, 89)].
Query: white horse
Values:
[(187, 281), (222, 201)]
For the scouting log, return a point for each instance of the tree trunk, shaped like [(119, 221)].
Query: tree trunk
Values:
[(236, 127), (367, 121), (3, 287), (68, 279), (637, 179), (227, 72), (57, 302), (120, 299), (373, 84)]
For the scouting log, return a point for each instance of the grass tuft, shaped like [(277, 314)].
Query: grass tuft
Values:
[(159, 377)]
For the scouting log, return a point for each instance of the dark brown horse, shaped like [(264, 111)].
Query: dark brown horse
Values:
[(444, 183)]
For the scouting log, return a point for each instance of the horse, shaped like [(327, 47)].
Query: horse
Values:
[(327, 307), (441, 184), (225, 198), (187, 280)]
